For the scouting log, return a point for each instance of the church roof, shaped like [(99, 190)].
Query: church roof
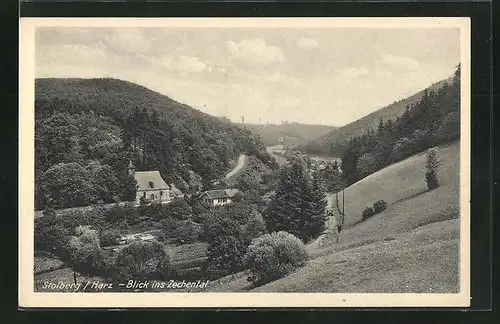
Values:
[(150, 180)]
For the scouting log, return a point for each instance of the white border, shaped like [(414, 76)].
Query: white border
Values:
[(29, 298)]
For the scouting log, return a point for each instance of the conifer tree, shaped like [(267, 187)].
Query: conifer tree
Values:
[(431, 167), (314, 205), (298, 205)]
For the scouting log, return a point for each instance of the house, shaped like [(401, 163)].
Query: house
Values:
[(150, 186), (219, 197)]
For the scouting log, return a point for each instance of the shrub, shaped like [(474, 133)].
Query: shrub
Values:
[(120, 214), (379, 206), (187, 232), (109, 237), (273, 256), (143, 260), (85, 251), (367, 213)]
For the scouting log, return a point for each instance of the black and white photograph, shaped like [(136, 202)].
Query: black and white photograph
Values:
[(244, 162)]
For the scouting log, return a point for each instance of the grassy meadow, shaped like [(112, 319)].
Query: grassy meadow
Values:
[(412, 246)]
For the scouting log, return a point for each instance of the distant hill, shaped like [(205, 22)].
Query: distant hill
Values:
[(291, 134), (332, 142), (90, 125)]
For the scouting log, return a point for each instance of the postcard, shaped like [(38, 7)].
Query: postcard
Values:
[(244, 162)]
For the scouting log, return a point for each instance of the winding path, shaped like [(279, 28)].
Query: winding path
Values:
[(242, 160)]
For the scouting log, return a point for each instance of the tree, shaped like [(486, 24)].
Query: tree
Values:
[(85, 251), (297, 206), (142, 261), (118, 215), (314, 216), (366, 164), (179, 209), (449, 128), (105, 183), (187, 232), (254, 227), (67, 185), (226, 247), (50, 234), (129, 188), (283, 212), (431, 167)]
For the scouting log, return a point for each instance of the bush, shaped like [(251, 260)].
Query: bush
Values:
[(85, 251), (187, 232), (367, 213), (109, 237), (273, 256), (379, 206), (120, 214), (143, 260)]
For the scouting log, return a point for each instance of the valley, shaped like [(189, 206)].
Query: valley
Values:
[(138, 171)]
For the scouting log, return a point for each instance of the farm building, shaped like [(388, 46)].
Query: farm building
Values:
[(219, 197), (150, 186)]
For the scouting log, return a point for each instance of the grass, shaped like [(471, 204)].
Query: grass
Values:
[(423, 260), (188, 256), (46, 263), (412, 246), (402, 180)]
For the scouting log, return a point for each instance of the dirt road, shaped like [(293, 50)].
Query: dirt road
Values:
[(242, 160)]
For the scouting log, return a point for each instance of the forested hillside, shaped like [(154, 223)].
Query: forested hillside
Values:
[(87, 130), (433, 120), (291, 134), (333, 143)]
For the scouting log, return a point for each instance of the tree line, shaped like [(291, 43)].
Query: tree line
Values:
[(433, 120), (82, 123)]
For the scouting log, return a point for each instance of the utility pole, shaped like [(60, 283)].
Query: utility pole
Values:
[(343, 199)]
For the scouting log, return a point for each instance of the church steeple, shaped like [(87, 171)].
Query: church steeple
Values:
[(131, 169)]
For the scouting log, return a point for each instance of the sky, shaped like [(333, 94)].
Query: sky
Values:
[(328, 76)]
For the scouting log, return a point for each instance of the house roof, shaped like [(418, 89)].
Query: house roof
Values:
[(220, 193), (145, 178)]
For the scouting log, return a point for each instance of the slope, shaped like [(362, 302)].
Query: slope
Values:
[(332, 142), (113, 121), (412, 246)]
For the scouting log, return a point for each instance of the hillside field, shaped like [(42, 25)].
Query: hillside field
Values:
[(412, 246)]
